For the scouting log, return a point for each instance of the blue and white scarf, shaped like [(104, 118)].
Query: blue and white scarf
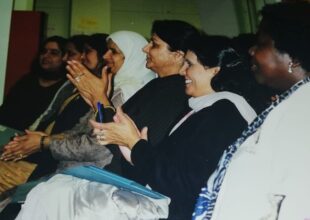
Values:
[(207, 198)]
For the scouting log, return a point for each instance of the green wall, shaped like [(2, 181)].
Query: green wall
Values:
[(25, 5), (226, 17), (248, 14), (58, 14), (138, 15), (91, 16)]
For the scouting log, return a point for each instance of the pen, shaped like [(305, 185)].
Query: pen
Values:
[(100, 111)]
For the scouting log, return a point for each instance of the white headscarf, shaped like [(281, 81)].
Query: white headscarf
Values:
[(133, 74)]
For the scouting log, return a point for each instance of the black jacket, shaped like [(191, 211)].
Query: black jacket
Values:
[(182, 162)]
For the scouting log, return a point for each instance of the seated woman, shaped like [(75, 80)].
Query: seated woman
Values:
[(195, 144), (131, 79), (176, 165), (35, 90), (159, 103), (63, 113), (68, 106), (75, 107), (265, 173), (74, 51)]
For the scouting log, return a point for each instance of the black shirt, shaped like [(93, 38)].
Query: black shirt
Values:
[(26, 101), (158, 105), (183, 161)]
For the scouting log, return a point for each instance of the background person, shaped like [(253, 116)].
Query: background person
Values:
[(32, 94)]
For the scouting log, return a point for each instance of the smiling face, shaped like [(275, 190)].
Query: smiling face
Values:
[(160, 59), (90, 57), (197, 77), (114, 57), (269, 65)]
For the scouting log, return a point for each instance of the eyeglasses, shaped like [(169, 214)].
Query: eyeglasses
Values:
[(52, 52)]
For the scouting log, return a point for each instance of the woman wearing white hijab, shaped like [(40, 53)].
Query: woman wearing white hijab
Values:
[(126, 62), (133, 74)]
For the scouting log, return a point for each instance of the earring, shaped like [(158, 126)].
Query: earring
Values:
[(290, 65)]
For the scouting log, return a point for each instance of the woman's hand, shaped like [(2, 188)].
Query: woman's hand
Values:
[(90, 87), (122, 131), (22, 146)]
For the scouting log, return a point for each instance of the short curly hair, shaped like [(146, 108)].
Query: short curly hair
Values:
[(288, 24)]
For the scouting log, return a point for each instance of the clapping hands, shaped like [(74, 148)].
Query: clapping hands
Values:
[(90, 87)]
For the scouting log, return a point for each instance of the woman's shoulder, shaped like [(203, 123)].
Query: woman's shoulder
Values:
[(224, 108), (219, 109), (234, 104), (224, 104)]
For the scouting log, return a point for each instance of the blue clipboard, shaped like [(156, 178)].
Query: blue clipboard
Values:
[(100, 175)]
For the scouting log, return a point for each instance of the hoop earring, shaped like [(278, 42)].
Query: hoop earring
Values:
[(290, 69)]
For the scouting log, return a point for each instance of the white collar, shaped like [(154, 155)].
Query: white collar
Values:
[(241, 104)]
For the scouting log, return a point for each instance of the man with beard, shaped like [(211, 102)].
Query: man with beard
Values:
[(32, 94)]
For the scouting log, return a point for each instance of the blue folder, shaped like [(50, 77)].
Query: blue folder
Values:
[(100, 175), (5, 134)]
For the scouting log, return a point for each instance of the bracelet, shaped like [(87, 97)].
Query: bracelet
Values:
[(42, 143)]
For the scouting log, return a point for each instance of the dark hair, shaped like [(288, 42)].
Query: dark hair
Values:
[(174, 32), (98, 42), (61, 42), (37, 69), (288, 24), (79, 41), (235, 75), (242, 43), (212, 51)]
